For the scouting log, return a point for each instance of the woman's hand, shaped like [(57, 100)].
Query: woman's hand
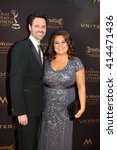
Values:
[(79, 113)]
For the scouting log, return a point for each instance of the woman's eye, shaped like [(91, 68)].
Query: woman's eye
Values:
[(60, 42), (56, 43)]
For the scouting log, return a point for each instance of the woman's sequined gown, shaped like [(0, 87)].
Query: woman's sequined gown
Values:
[(56, 132)]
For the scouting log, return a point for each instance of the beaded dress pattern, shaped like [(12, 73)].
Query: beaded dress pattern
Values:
[(57, 129)]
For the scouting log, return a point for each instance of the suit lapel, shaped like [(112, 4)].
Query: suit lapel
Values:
[(37, 56), (35, 53)]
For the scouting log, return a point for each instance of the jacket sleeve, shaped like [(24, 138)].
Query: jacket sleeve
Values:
[(17, 74)]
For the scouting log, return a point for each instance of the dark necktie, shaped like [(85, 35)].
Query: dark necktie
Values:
[(39, 53)]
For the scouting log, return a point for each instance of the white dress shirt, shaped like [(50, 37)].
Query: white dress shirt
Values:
[(35, 43)]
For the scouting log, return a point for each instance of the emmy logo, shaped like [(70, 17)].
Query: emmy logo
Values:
[(15, 25)]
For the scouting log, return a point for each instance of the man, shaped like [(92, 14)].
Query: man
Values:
[(26, 83)]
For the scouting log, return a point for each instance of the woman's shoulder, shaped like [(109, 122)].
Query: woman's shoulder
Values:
[(47, 61), (76, 59), (78, 63)]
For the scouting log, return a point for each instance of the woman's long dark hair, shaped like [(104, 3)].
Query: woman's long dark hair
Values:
[(50, 53)]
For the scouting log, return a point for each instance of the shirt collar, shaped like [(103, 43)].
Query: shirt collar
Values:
[(35, 43)]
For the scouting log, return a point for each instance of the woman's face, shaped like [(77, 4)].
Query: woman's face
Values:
[(60, 45)]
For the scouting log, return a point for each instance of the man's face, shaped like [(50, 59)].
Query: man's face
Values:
[(38, 28)]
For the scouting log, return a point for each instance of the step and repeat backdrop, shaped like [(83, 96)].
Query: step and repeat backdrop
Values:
[(81, 18)]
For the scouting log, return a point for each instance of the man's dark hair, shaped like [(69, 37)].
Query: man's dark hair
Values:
[(32, 16)]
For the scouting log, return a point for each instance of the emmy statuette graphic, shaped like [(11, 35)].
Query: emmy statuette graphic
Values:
[(15, 25)]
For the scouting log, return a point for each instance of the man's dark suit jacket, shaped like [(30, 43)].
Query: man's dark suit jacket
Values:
[(26, 80)]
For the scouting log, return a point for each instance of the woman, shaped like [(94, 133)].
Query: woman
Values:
[(62, 70)]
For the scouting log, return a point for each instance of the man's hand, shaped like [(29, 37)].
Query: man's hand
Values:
[(23, 119)]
